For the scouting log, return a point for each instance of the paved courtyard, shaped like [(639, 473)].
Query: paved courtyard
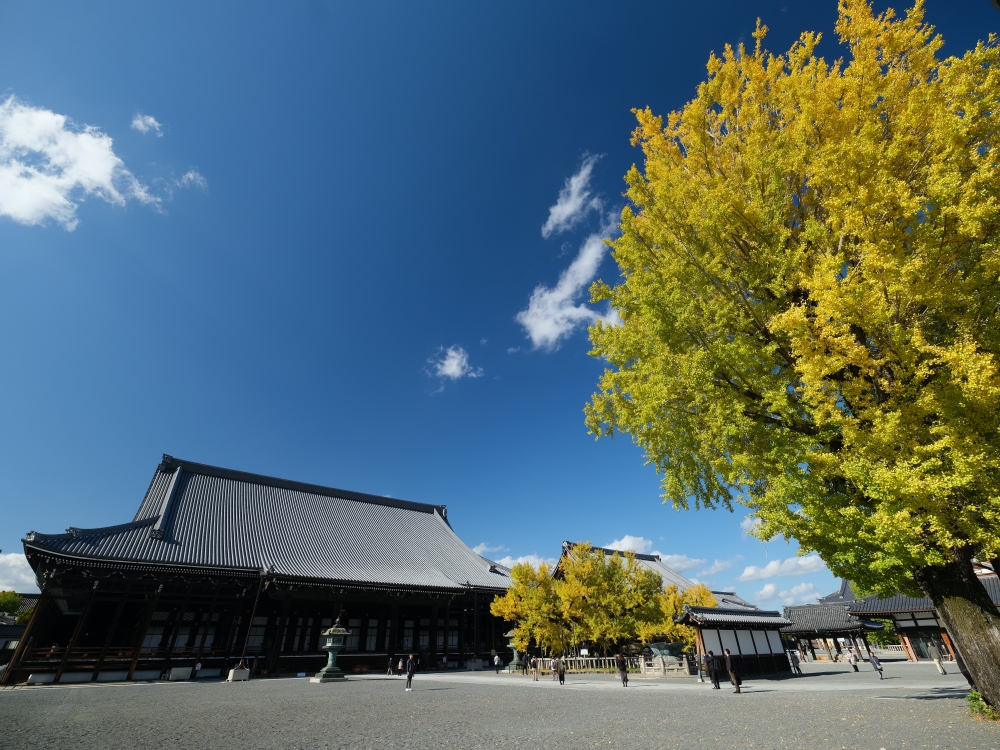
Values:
[(829, 707)]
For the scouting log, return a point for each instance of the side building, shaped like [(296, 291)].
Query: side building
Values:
[(915, 621), (219, 566)]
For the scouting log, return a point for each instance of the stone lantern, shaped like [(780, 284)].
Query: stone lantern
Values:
[(515, 665), (331, 641)]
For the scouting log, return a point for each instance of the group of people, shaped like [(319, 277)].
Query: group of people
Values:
[(556, 664), (410, 667)]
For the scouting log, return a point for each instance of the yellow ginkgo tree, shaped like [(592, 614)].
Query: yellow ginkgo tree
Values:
[(809, 308)]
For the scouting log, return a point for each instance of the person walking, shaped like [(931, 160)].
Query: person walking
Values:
[(935, 653), (496, 663), (411, 667), (852, 659), (561, 669), (388, 672), (793, 657), (552, 666), (876, 664), (534, 669), (734, 678), (712, 665), (622, 669)]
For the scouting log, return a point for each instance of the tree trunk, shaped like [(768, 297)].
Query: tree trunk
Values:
[(971, 618)]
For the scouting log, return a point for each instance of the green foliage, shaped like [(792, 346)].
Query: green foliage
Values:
[(884, 637), (979, 708), (10, 602), (810, 294), (593, 599)]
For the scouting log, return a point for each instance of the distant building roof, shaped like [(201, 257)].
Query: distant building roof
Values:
[(729, 599), (205, 516), (8, 632), (843, 595), (722, 616), (651, 562), (873, 605), (824, 618)]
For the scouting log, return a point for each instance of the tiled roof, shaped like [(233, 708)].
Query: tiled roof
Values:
[(11, 631), (729, 600), (27, 602), (730, 616), (873, 605), (844, 594), (198, 515), (651, 562), (824, 618)]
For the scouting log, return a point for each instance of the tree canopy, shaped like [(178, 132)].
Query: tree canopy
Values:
[(594, 599), (809, 300)]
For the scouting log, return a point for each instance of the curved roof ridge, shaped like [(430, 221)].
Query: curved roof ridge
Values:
[(192, 467), (74, 533)]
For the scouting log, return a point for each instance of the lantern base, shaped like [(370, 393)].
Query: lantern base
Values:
[(331, 675)]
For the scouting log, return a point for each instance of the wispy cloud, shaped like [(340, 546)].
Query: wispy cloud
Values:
[(146, 124), (533, 560), (718, 566), (553, 313), (792, 566), (747, 525), (453, 363), (16, 574), (47, 165), (575, 201), (803, 593), (485, 548), (193, 178), (634, 543)]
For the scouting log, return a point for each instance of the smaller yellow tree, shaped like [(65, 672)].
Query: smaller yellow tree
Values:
[(593, 598), (671, 605), (533, 604), (606, 598)]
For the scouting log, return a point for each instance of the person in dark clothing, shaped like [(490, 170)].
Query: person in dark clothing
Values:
[(389, 672), (735, 678), (622, 669), (411, 667), (712, 665), (793, 657), (561, 667)]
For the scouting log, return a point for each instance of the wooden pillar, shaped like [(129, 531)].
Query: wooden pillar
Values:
[(282, 626), (150, 611), (76, 631), (475, 624), (111, 633), (22, 644), (826, 645), (947, 642)]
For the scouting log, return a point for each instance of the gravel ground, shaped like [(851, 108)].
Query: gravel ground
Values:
[(829, 707)]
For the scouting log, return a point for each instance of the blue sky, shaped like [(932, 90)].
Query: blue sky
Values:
[(346, 244)]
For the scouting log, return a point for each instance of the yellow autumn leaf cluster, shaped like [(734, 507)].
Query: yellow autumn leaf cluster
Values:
[(596, 600)]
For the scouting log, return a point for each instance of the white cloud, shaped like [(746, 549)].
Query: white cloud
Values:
[(553, 314), (574, 202), (453, 363), (803, 593), (681, 563), (484, 548), (513, 349), (635, 543), (793, 566), (192, 178), (644, 546), (533, 560), (146, 124), (718, 566), (748, 524), (16, 574), (46, 165)]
